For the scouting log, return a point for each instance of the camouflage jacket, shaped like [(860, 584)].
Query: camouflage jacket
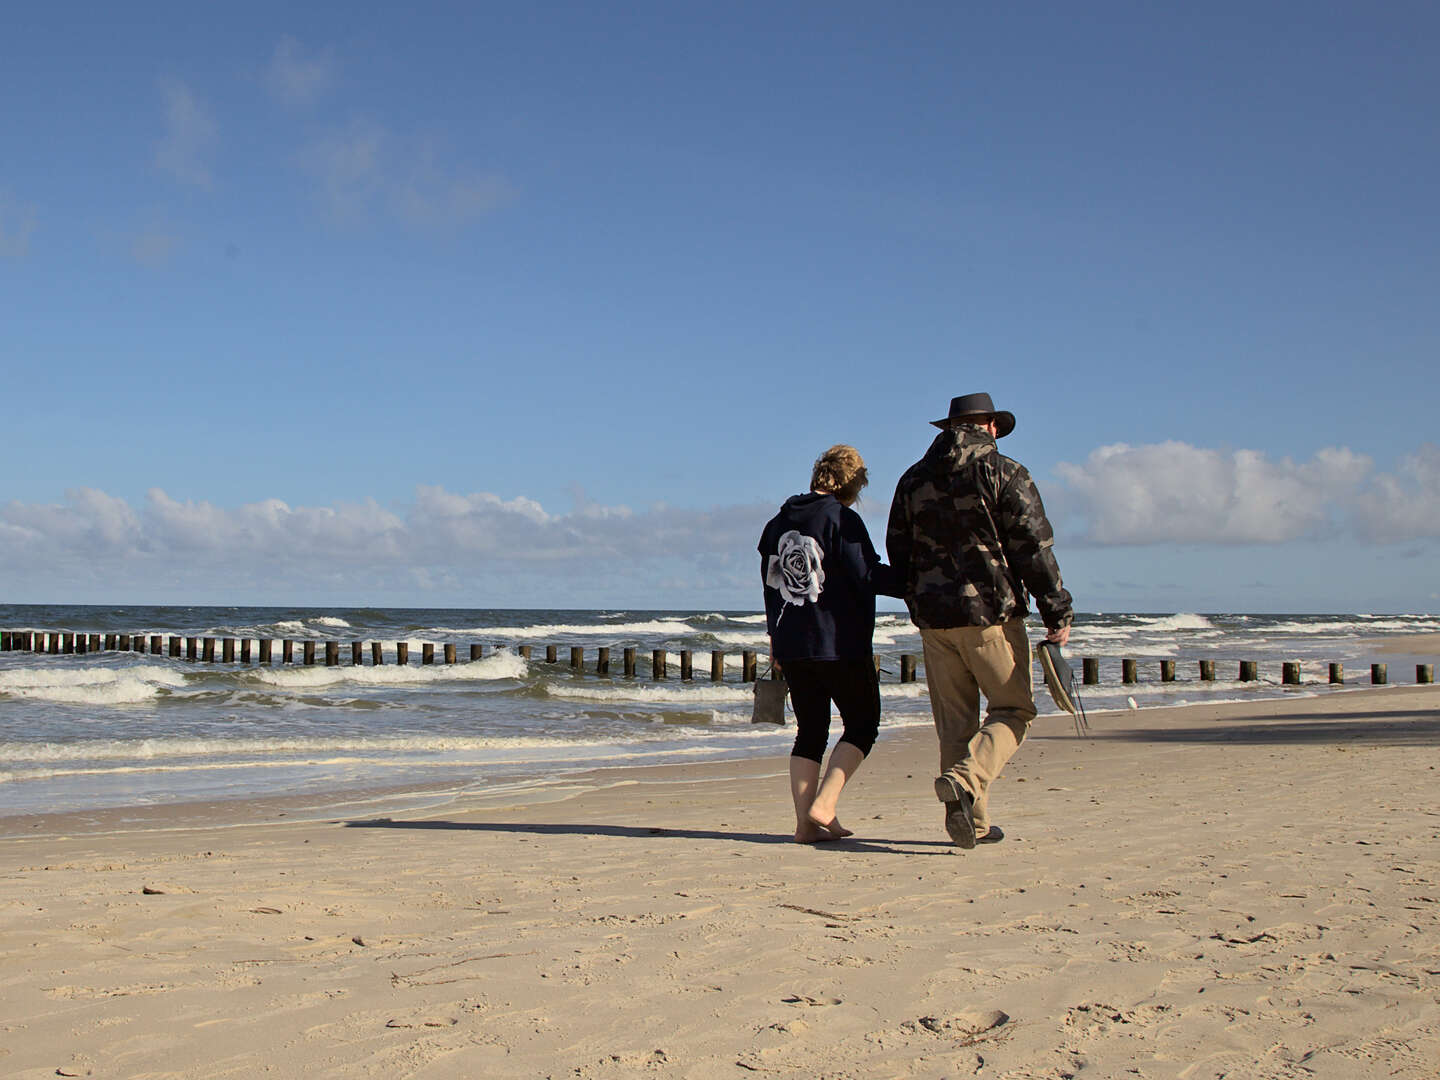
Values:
[(968, 536)]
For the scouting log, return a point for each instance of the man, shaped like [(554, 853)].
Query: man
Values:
[(967, 537)]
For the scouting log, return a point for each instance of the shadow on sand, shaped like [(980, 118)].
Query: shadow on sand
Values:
[(1401, 727), (855, 843)]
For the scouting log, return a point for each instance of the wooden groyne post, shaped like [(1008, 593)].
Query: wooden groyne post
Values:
[(194, 647)]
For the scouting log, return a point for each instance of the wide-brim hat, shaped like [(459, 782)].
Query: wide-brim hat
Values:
[(973, 404)]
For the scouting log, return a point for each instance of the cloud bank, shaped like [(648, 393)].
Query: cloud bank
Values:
[(477, 546), (190, 134), (295, 78), (363, 170), (1175, 493), (478, 549)]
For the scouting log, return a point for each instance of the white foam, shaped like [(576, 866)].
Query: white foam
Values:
[(613, 631), (90, 686), (904, 690), (1181, 621), (176, 749), (732, 637), (500, 665), (1346, 628), (650, 695), (329, 620)]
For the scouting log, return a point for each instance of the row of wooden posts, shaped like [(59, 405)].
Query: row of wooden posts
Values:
[(233, 649), (204, 648), (1290, 672)]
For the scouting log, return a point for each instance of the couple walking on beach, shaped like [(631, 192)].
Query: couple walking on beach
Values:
[(967, 537)]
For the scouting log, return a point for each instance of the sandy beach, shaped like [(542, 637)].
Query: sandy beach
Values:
[(1406, 645), (1239, 890)]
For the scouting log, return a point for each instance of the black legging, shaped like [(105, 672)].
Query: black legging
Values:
[(854, 688)]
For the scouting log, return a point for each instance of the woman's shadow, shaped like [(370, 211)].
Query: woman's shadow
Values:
[(641, 832)]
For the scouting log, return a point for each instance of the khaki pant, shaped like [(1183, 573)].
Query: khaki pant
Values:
[(962, 663)]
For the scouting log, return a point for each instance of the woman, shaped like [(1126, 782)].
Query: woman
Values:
[(821, 575)]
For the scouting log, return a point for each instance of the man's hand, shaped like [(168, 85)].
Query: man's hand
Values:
[(1059, 636)]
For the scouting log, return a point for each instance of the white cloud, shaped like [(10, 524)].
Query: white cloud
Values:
[(92, 521), (294, 78), (154, 247), (190, 135), (347, 165), (478, 540), (1177, 493), (1406, 506), (17, 222), (428, 194), (365, 171)]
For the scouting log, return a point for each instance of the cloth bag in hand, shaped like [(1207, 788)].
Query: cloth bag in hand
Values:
[(770, 695)]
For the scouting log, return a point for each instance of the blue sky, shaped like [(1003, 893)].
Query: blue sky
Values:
[(551, 304)]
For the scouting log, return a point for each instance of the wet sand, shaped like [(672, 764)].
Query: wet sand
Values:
[(1406, 645)]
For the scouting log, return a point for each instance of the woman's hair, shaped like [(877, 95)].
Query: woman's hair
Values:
[(840, 471)]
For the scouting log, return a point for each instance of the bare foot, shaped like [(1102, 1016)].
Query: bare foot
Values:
[(810, 833), (832, 826)]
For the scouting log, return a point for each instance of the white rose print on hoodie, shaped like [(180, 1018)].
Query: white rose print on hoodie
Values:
[(795, 572)]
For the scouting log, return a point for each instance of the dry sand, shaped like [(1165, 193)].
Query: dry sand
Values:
[(1243, 890)]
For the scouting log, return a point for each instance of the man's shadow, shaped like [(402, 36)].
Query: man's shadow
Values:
[(642, 832)]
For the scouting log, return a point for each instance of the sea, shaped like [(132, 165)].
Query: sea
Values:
[(128, 729)]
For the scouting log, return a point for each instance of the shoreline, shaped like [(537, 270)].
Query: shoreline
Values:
[(1420, 646), (1196, 890), (528, 788)]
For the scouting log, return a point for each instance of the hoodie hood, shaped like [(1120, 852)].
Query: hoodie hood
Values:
[(957, 447), (808, 501)]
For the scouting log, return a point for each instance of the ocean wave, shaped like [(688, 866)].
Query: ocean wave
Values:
[(90, 685), (178, 748), (904, 690), (1182, 621), (756, 640), (650, 695), (698, 693), (500, 665), (1377, 626), (614, 632)]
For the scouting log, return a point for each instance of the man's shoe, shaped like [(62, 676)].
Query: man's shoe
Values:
[(959, 811), (994, 836)]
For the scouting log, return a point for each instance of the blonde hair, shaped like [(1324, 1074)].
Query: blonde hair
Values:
[(840, 471)]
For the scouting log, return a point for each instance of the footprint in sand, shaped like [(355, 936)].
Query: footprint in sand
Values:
[(805, 999)]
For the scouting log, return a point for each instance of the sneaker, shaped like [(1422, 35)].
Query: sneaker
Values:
[(959, 811)]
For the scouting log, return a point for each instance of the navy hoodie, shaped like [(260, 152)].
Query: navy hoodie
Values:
[(821, 575)]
